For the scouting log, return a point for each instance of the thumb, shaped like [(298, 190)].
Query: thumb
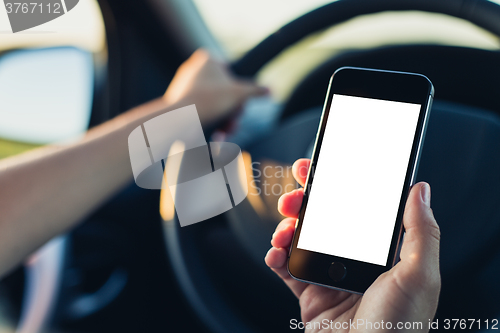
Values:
[(420, 250), (248, 89)]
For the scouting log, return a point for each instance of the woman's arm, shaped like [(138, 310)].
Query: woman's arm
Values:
[(48, 190)]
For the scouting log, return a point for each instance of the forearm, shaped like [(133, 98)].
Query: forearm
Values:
[(49, 190)]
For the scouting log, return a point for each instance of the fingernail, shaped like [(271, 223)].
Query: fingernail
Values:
[(425, 193)]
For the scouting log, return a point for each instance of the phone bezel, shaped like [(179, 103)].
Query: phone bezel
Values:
[(405, 87)]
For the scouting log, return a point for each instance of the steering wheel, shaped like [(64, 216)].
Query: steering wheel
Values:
[(482, 13), (219, 263)]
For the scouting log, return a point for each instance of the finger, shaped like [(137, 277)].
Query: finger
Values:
[(289, 203), (198, 58), (300, 170), (420, 249), (276, 260), (276, 257), (282, 237), (248, 89)]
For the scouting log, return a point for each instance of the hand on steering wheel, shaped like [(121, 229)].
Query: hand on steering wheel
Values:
[(207, 83), (408, 293)]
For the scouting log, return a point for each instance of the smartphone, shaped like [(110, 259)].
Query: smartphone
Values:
[(350, 229)]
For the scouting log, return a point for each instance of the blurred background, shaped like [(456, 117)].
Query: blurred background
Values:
[(127, 269), (236, 26)]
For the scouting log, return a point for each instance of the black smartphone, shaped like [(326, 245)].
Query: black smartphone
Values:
[(350, 229)]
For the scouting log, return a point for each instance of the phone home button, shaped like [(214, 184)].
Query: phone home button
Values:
[(337, 271)]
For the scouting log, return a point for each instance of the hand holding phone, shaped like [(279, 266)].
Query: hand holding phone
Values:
[(364, 162), (347, 226), (408, 293)]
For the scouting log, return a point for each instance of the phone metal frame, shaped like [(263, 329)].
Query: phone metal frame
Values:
[(312, 267)]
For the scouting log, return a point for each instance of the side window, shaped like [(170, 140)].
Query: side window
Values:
[(47, 74), (47, 84)]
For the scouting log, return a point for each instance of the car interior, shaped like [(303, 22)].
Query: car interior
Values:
[(131, 267)]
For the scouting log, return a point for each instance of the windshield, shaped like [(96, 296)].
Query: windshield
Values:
[(240, 25)]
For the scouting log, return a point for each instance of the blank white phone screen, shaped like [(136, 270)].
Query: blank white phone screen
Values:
[(359, 178)]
